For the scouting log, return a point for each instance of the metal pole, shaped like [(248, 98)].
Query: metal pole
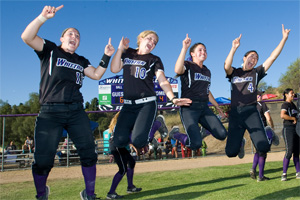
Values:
[(67, 150), (3, 134)]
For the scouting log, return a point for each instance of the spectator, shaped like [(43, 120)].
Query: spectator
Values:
[(168, 147), (203, 148), (174, 148), (11, 147), (28, 145)]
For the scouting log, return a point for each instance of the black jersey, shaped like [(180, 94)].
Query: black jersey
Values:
[(244, 85), (61, 75), (291, 110), (138, 74), (262, 109), (195, 82)]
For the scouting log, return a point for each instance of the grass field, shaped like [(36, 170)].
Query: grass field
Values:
[(224, 182)]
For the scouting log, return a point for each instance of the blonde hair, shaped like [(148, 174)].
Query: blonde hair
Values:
[(113, 123), (145, 34)]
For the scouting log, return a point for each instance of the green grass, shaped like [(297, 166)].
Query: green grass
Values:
[(225, 182)]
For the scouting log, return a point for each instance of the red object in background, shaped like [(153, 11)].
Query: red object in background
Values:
[(268, 96)]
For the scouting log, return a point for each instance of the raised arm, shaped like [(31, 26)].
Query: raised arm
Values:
[(285, 34), (29, 36), (165, 85), (116, 63), (228, 62), (179, 66), (97, 73)]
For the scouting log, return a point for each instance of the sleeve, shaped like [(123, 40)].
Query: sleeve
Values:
[(48, 47), (265, 108), (260, 70), (158, 65), (284, 106), (229, 76)]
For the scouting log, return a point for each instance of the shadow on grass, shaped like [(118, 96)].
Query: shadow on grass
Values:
[(283, 194), (163, 190)]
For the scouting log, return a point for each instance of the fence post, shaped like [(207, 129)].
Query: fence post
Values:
[(3, 134)]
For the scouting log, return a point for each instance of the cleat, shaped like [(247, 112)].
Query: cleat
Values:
[(253, 174), (114, 196), (133, 189), (284, 177), (275, 140), (174, 130), (242, 149), (163, 130), (298, 175), (84, 196), (262, 179)]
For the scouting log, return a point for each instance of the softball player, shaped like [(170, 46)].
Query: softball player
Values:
[(195, 82), (291, 138), (62, 72), (140, 105), (244, 81)]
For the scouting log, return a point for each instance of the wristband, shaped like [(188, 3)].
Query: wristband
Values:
[(42, 18), (104, 61), (173, 99)]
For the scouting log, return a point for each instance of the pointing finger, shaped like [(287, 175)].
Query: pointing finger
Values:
[(109, 41), (59, 7)]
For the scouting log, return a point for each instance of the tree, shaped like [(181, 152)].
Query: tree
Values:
[(291, 78)]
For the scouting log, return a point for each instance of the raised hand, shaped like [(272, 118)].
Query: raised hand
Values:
[(186, 42), (182, 102), (285, 32), (124, 43), (49, 11), (109, 49), (236, 42)]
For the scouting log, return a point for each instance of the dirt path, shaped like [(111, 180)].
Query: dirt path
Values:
[(141, 167)]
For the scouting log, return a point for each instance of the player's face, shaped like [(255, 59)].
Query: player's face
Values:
[(250, 61), (290, 96), (199, 53), (70, 40), (148, 43)]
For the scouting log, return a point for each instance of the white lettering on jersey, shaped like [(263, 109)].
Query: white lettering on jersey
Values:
[(237, 79), (128, 61), (61, 62), (201, 77)]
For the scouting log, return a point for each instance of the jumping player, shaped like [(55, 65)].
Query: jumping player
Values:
[(244, 114), (292, 141), (195, 82), (140, 104), (62, 72)]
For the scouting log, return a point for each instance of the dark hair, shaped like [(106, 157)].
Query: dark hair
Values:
[(192, 49), (248, 52), (286, 91)]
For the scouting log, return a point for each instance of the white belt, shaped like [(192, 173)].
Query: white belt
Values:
[(139, 101)]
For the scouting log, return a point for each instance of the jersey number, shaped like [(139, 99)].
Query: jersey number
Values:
[(79, 78), (250, 87), (140, 73)]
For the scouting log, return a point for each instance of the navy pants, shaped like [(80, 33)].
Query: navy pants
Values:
[(123, 159), (199, 112), (240, 120), (48, 132), (292, 141), (135, 120)]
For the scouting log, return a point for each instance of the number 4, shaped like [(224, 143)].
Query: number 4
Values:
[(250, 87)]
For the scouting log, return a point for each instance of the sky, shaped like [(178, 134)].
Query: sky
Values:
[(214, 23)]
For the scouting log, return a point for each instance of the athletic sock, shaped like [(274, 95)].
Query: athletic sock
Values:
[(130, 177), (40, 184), (296, 162), (181, 137), (154, 128), (261, 165), (255, 161), (286, 163), (115, 182), (89, 174)]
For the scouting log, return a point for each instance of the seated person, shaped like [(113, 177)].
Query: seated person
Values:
[(168, 147), (11, 147), (28, 145)]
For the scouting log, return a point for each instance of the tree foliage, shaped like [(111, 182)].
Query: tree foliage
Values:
[(291, 79)]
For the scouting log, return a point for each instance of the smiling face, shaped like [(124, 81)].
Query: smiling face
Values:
[(290, 96), (250, 60), (70, 40), (199, 53), (147, 42)]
